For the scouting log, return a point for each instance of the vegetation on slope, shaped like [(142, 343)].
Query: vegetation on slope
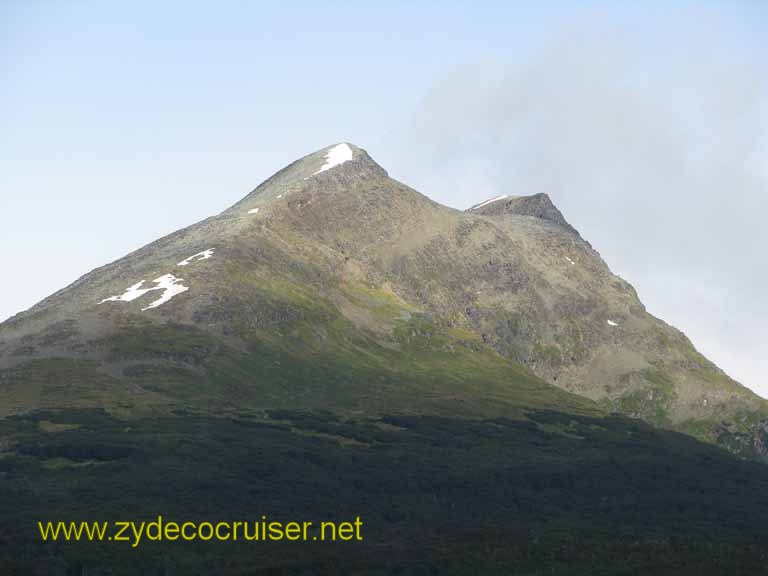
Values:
[(555, 493)]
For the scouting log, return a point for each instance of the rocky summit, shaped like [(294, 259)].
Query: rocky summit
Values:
[(332, 267)]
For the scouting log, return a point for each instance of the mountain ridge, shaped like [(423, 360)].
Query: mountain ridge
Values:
[(332, 257)]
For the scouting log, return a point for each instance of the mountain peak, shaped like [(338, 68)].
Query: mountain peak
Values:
[(336, 156), (342, 155), (327, 168), (537, 205)]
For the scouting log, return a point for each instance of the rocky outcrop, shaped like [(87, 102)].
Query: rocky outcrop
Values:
[(537, 206)]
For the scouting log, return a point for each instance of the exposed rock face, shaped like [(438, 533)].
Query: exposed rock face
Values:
[(331, 261), (537, 206)]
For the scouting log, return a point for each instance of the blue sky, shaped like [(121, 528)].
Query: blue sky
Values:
[(646, 122)]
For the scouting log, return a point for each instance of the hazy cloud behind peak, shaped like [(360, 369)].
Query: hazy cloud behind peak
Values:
[(655, 148)]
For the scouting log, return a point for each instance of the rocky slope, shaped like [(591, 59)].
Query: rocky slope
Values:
[(332, 286)]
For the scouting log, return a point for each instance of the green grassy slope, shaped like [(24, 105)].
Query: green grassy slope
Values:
[(434, 372)]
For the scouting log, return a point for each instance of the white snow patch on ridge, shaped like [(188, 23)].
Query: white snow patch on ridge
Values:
[(254, 211), (571, 261), (130, 294), (488, 202), (335, 157), (611, 323), (169, 284), (204, 255)]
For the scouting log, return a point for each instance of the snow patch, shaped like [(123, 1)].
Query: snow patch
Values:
[(130, 294), (254, 211), (611, 323), (488, 202), (571, 261), (169, 284), (279, 196), (204, 255), (171, 287), (335, 157)]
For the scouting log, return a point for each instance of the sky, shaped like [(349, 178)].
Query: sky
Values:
[(647, 124)]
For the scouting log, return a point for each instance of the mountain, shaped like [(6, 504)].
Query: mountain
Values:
[(288, 299), (331, 263), (475, 386)]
